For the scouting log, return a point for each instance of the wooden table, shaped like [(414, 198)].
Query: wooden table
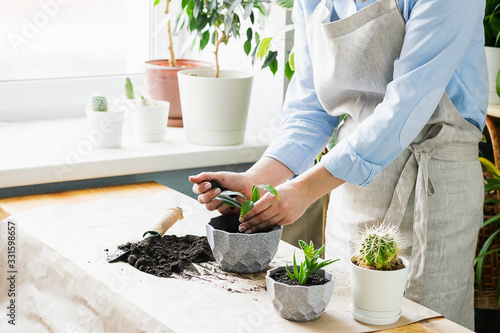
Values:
[(19, 204)]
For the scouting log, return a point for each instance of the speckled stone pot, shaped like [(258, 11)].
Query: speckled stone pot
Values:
[(299, 303), (239, 252)]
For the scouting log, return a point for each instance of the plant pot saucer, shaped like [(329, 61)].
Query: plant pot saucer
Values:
[(374, 321)]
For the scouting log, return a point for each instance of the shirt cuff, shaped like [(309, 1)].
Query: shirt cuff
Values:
[(294, 156), (343, 162)]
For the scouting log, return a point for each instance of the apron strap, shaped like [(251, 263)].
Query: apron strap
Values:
[(415, 174)]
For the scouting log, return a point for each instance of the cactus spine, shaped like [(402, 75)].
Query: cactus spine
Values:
[(99, 103), (379, 248), (129, 89)]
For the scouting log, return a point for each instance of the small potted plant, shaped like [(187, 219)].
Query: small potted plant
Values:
[(106, 126), (301, 293), (149, 117), (378, 276), (241, 252), (162, 74), (215, 102)]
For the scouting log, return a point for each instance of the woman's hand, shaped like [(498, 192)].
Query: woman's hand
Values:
[(239, 182), (270, 211)]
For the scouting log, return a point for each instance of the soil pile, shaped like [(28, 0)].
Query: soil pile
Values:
[(163, 256)]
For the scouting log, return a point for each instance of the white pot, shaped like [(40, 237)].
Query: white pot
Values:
[(377, 295), (215, 110), (149, 122), (105, 128), (493, 63)]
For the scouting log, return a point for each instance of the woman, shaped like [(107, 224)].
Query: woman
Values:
[(411, 76)]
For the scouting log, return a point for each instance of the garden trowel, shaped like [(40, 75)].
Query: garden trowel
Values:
[(171, 216)]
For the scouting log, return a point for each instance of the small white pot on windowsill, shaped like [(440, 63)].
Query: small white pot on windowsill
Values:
[(106, 127), (149, 122)]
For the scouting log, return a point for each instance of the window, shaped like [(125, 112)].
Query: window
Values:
[(44, 39)]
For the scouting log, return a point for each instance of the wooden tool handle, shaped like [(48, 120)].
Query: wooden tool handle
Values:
[(171, 216)]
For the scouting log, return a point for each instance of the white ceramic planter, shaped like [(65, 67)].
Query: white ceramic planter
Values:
[(149, 122), (493, 62), (299, 303), (377, 295), (215, 110), (105, 128)]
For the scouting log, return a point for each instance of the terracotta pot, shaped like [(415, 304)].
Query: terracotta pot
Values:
[(163, 86)]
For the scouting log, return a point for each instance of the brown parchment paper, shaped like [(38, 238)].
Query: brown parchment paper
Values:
[(65, 284)]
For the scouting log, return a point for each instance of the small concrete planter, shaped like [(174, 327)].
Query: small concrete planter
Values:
[(299, 303), (377, 295), (239, 252)]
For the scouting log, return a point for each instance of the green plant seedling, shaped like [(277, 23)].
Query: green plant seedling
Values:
[(229, 198), (310, 265), (129, 89), (379, 247), (99, 103)]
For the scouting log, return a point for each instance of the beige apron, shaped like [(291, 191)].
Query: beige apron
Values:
[(433, 190)]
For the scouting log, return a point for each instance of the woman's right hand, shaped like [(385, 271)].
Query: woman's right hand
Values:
[(239, 182)]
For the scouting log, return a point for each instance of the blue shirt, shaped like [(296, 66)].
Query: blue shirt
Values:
[(443, 51)]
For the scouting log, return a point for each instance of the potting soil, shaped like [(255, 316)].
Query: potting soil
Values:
[(163, 256)]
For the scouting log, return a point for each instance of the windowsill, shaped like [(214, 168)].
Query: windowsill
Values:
[(48, 151)]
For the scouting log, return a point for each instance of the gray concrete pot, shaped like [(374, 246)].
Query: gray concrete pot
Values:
[(299, 303), (239, 252)]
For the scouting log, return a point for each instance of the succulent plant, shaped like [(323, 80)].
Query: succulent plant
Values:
[(129, 89), (379, 247), (310, 265), (99, 103)]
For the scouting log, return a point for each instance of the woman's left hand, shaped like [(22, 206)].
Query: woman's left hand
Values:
[(270, 211)]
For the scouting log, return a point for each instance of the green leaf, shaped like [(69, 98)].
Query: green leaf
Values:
[(325, 263), (489, 166), (271, 57), (205, 37), (274, 66), (157, 2), (231, 202), (249, 34), (247, 47), (498, 82), (491, 220), (287, 4), (252, 17), (270, 189), (246, 207), (290, 276), (288, 71), (263, 47), (291, 60), (295, 268), (198, 7), (302, 274), (184, 3), (255, 194)]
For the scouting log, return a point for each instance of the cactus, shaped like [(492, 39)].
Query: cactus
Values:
[(129, 89), (99, 103), (379, 248)]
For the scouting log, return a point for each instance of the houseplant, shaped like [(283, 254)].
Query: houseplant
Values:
[(378, 276), (105, 126), (149, 117), (268, 50), (162, 74), (301, 293), (241, 252), (488, 250), (491, 24), (215, 102)]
